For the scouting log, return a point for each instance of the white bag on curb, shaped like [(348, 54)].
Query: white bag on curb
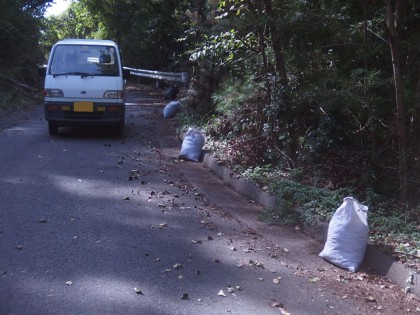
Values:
[(192, 145), (348, 235), (171, 109)]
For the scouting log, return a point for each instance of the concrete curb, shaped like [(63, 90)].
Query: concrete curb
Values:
[(374, 258)]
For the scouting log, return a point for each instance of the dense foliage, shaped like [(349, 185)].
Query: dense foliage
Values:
[(324, 76), (19, 38), (323, 93), (326, 90)]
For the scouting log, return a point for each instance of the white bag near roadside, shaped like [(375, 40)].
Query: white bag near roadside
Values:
[(171, 109), (348, 235), (192, 145)]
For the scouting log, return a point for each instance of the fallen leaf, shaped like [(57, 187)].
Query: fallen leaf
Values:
[(126, 198), (276, 280), (42, 220), (313, 279), (69, 283), (410, 279), (370, 299), (196, 242), (221, 293), (163, 225), (138, 291), (260, 264), (177, 266), (341, 279)]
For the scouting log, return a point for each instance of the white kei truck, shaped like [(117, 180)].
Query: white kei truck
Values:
[(84, 85)]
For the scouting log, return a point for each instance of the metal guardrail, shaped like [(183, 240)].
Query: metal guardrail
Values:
[(158, 75)]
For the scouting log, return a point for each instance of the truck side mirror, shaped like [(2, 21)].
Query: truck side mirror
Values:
[(42, 70)]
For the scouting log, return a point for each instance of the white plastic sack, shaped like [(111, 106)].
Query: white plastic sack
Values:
[(348, 235), (171, 109), (192, 145)]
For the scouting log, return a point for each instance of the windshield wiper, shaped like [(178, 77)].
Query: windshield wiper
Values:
[(82, 74)]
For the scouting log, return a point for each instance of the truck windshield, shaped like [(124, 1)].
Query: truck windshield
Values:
[(84, 60)]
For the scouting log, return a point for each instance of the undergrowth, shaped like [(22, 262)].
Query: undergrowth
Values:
[(305, 198), (393, 228), (305, 192)]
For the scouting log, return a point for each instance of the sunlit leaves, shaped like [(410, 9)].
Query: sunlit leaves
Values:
[(75, 22), (224, 49), (231, 8), (19, 31)]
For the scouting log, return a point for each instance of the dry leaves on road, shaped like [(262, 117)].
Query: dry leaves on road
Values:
[(138, 291), (221, 293)]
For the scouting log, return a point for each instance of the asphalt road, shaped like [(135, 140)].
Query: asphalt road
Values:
[(95, 224)]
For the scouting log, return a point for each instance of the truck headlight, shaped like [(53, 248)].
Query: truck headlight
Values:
[(53, 93), (113, 94)]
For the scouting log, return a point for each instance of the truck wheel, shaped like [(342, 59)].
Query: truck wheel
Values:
[(53, 129), (119, 129)]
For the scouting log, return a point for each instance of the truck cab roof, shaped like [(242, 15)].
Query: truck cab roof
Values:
[(87, 42)]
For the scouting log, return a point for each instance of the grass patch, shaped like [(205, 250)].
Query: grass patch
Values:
[(393, 228)]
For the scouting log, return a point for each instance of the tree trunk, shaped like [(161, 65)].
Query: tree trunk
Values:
[(394, 17), (277, 46)]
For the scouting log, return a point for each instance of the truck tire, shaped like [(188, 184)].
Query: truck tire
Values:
[(53, 129)]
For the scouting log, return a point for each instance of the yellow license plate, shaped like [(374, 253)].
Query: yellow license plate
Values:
[(83, 107)]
